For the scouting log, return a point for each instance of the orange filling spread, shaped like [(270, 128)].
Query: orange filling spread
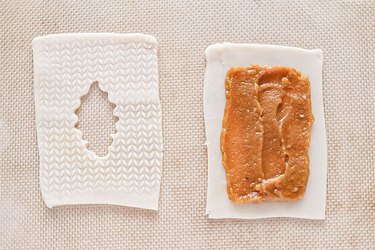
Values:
[(266, 133)]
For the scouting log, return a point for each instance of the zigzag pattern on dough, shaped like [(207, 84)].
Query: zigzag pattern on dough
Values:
[(127, 71)]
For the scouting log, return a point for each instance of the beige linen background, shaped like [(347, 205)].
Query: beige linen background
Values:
[(345, 30)]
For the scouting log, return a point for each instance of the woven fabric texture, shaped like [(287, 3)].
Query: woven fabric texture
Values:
[(345, 30)]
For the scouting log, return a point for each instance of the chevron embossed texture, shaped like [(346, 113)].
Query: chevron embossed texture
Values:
[(125, 66)]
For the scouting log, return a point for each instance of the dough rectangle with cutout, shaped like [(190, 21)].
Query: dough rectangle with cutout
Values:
[(219, 59), (125, 66)]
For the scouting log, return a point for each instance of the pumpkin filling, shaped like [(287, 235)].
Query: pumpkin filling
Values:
[(266, 133)]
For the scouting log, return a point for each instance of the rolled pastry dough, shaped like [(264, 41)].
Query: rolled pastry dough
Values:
[(219, 58), (125, 66)]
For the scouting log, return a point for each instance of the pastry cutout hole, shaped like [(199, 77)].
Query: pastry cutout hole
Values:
[(96, 120)]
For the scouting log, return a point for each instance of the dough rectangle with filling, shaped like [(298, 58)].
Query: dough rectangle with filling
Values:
[(220, 58)]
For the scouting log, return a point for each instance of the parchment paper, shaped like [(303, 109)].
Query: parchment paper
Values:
[(343, 29)]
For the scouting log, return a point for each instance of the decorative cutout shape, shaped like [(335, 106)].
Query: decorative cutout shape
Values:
[(96, 120)]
